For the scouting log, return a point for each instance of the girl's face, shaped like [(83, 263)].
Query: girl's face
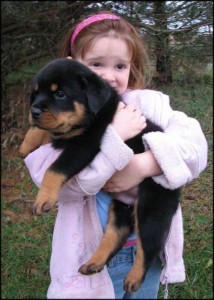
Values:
[(110, 58)]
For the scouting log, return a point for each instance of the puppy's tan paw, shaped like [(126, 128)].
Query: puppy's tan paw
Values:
[(44, 202), (132, 281), (89, 269), (24, 150)]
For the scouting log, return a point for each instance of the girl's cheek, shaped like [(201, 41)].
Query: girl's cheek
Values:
[(95, 71)]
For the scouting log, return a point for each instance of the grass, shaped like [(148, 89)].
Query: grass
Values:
[(26, 239), (25, 258)]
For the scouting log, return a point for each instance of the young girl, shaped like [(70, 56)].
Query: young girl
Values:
[(112, 48)]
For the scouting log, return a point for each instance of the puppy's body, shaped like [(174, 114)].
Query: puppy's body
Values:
[(75, 106)]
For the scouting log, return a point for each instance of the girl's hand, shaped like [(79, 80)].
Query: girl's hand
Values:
[(141, 166), (125, 179), (128, 121)]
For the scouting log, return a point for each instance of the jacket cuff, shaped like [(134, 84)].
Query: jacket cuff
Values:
[(163, 147), (115, 150)]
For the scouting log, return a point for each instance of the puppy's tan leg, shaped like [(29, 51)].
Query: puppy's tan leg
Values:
[(49, 191), (135, 276), (34, 138), (112, 240)]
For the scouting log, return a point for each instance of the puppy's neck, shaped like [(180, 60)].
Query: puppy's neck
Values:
[(66, 135)]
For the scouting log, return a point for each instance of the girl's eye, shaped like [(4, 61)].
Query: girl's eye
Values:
[(60, 95), (121, 66), (96, 64)]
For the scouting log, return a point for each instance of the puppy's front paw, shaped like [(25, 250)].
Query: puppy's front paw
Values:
[(91, 268), (24, 150), (44, 202)]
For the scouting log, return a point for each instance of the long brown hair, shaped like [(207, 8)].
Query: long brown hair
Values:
[(139, 72)]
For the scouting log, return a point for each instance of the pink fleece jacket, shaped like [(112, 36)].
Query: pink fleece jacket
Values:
[(181, 152)]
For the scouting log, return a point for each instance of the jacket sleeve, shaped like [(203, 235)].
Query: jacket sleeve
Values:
[(181, 149), (114, 155)]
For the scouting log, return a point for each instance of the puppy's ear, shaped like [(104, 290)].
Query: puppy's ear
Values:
[(97, 91)]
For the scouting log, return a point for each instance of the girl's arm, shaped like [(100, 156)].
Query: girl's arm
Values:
[(181, 150), (173, 157), (140, 166)]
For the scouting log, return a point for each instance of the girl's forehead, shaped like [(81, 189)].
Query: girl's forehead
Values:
[(108, 45)]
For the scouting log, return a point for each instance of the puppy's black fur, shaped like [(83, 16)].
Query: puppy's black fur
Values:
[(75, 106)]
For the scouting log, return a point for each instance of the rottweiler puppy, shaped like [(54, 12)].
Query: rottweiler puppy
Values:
[(72, 106)]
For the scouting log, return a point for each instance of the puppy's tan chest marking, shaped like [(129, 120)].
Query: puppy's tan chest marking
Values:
[(72, 118)]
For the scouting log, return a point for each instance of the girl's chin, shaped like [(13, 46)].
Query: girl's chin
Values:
[(120, 92)]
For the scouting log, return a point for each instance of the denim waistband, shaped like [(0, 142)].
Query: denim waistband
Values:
[(130, 243)]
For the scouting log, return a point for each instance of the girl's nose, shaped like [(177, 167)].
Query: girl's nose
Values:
[(108, 76)]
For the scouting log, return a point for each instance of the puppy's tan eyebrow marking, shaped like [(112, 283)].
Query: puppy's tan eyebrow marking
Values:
[(54, 87), (36, 87)]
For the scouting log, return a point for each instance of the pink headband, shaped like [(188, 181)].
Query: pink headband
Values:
[(89, 21)]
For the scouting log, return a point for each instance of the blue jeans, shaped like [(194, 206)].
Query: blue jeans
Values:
[(118, 268)]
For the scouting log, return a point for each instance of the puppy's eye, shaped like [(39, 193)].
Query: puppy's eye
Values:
[(60, 95)]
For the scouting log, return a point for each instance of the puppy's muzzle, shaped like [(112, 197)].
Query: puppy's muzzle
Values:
[(36, 112)]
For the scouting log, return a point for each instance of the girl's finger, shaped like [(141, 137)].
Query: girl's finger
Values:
[(121, 105)]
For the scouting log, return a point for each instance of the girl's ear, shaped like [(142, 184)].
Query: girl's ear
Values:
[(97, 91)]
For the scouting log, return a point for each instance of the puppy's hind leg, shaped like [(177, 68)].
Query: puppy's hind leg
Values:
[(153, 214), (119, 226), (135, 276)]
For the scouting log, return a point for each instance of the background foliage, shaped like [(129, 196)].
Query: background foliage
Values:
[(178, 35)]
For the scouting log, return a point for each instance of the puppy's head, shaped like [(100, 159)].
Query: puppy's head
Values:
[(66, 96)]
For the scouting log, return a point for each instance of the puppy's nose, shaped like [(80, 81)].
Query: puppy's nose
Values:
[(36, 112)]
